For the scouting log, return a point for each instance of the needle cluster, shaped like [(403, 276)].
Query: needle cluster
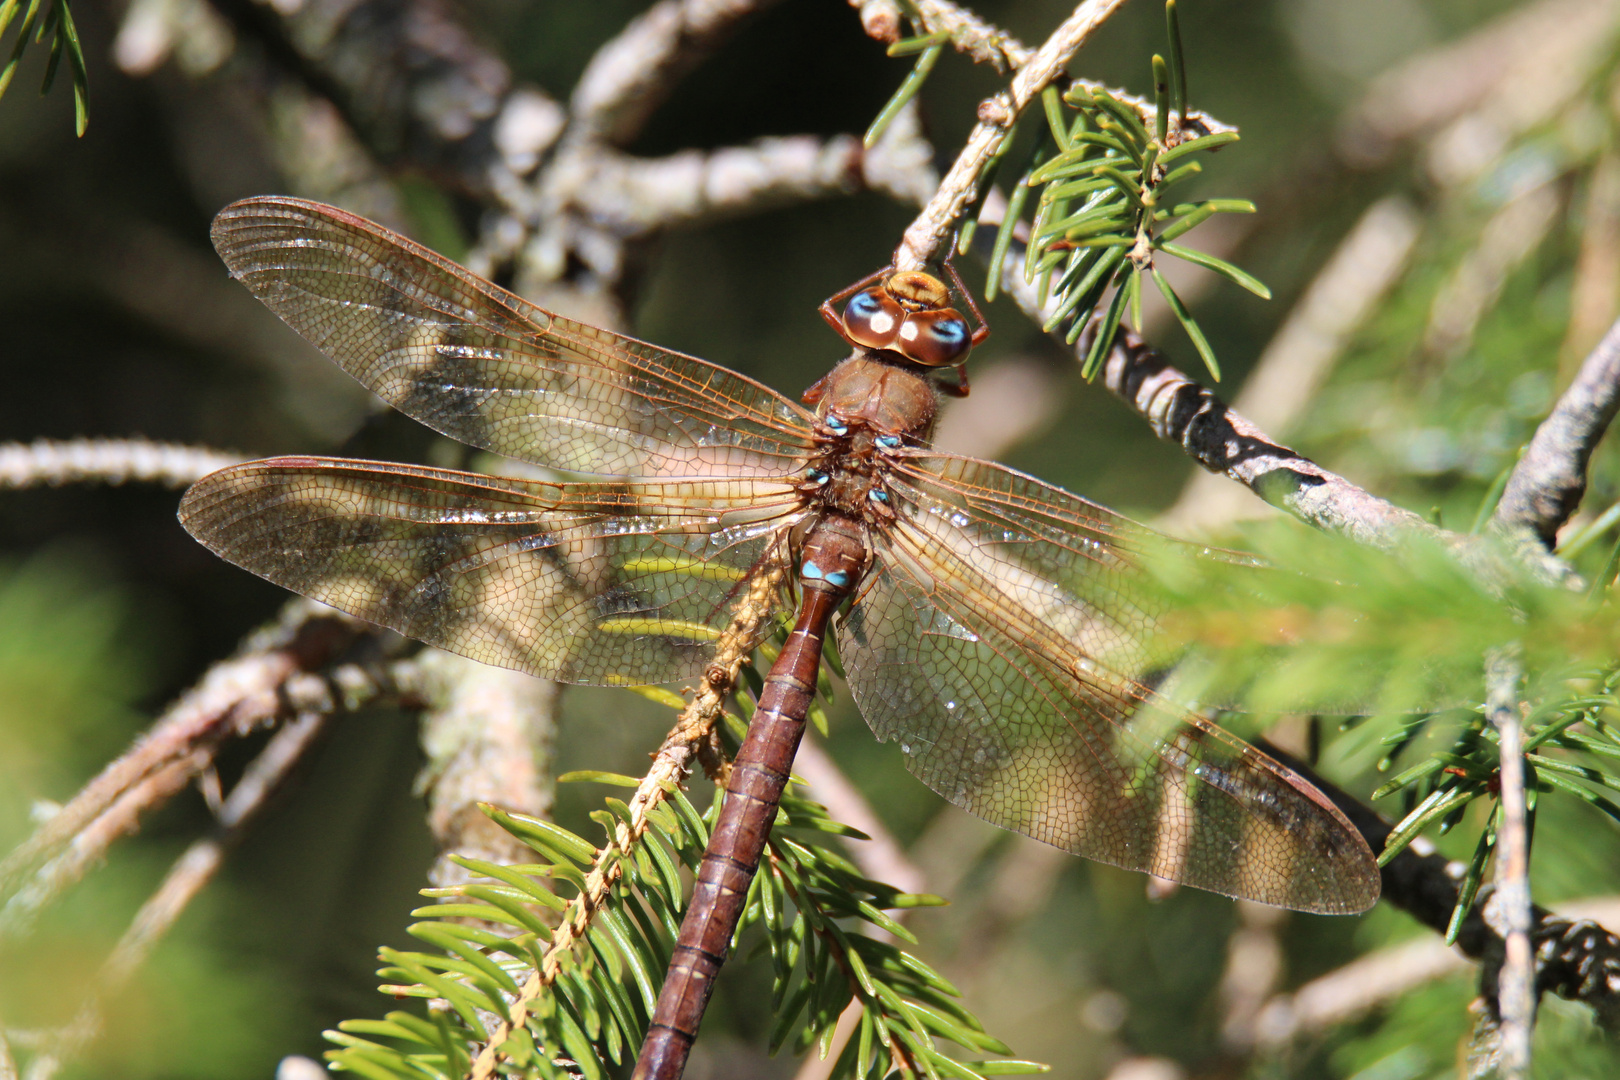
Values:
[(1102, 178), (525, 980)]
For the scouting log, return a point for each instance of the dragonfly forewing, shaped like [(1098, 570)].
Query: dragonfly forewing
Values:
[(1009, 659), (492, 370), (609, 583)]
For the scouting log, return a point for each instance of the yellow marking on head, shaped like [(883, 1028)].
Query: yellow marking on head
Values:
[(916, 289)]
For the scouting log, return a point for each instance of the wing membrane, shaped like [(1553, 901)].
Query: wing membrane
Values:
[(489, 369), (608, 583), (1001, 642)]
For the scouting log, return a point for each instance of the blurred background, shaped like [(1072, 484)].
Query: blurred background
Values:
[(1439, 221)]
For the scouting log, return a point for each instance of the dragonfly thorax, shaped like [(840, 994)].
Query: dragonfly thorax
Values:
[(867, 392)]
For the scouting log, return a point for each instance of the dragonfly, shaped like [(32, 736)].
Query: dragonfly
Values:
[(999, 628)]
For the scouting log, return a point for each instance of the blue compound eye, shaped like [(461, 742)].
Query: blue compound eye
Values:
[(873, 319), (866, 304), (935, 338)]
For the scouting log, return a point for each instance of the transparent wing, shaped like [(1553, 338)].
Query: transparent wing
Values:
[(611, 583), (999, 640), (487, 368)]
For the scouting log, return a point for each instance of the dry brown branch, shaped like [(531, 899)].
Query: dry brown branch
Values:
[(636, 196), (630, 76), (1503, 1038), (1223, 441), (1288, 374), (237, 696), (52, 462), (488, 738), (1546, 485), (692, 732), (264, 776)]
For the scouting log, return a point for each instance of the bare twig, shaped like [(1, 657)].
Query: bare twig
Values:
[(260, 685), (1182, 411), (194, 869), (1291, 370), (631, 75), (107, 461), (1549, 480), (996, 115), (488, 736), (635, 196), (1508, 911)]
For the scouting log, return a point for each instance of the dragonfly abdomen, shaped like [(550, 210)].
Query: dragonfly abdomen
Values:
[(835, 557)]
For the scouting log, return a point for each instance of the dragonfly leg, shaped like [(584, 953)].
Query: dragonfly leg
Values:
[(818, 389), (829, 306), (960, 387)]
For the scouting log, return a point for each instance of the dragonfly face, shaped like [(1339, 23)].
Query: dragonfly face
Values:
[(909, 313), (1001, 633)]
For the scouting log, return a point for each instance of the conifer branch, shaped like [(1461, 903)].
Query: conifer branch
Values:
[(196, 867), (926, 235), (273, 677), (692, 732)]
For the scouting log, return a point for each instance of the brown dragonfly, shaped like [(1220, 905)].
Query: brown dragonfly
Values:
[(999, 628)]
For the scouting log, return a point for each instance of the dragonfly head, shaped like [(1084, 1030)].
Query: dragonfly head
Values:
[(909, 313)]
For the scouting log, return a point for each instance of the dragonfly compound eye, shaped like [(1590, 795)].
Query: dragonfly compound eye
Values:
[(934, 338), (873, 319)]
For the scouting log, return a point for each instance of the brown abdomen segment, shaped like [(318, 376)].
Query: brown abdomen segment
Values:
[(835, 556)]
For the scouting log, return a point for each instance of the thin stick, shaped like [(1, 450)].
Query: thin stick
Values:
[(50, 462), (1516, 983), (186, 878), (1550, 478)]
